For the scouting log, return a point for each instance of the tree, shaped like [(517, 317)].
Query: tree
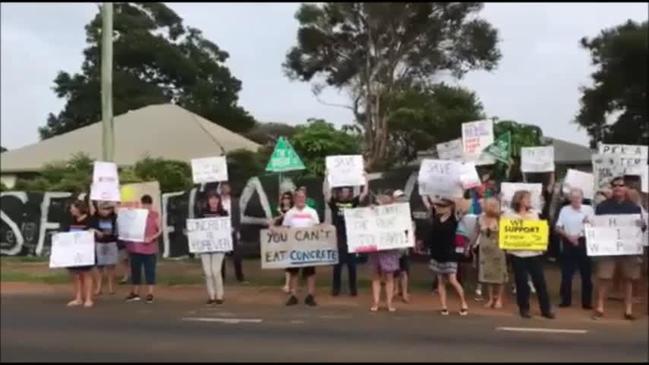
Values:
[(620, 86), (318, 139), (156, 60), (375, 50), (268, 133), (421, 117)]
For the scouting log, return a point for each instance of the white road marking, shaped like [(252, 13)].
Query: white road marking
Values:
[(223, 320), (542, 330)]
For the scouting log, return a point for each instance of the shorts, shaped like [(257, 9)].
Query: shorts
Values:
[(306, 271), (384, 262), (80, 269), (631, 267), (443, 268)]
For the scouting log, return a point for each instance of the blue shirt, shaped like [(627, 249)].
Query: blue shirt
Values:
[(612, 206)]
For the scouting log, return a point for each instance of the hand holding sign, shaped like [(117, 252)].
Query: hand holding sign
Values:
[(209, 169), (345, 170)]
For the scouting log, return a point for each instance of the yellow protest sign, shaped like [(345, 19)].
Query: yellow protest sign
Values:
[(520, 234)]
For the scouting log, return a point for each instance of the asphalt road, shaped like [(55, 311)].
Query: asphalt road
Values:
[(41, 328)]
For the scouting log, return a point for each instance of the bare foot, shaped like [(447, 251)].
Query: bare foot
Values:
[(88, 304), (406, 298), (498, 305), (75, 303)]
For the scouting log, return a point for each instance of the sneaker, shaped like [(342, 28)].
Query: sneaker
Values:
[(464, 311), (292, 300), (310, 301), (444, 312), (149, 299), (629, 317), (133, 298)]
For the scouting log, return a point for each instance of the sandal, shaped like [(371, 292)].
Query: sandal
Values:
[(444, 312), (629, 317), (392, 309), (464, 311), (374, 308), (74, 303), (498, 305), (88, 304), (597, 315)]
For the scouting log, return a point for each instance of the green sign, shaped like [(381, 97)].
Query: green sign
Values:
[(284, 158), (501, 148)]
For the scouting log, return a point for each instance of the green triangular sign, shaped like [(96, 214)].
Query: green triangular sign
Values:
[(284, 158), (501, 148)]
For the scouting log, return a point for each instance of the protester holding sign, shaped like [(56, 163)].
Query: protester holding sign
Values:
[(81, 275), (343, 199), (231, 206), (213, 261), (301, 216), (570, 227), (630, 265), (143, 254), (285, 204), (104, 223), (528, 262)]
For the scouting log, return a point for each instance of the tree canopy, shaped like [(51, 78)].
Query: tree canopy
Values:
[(620, 55), (377, 50), (157, 59)]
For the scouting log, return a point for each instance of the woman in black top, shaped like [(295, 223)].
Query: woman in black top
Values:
[(81, 275), (285, 204), (212, 262), (104, 223)]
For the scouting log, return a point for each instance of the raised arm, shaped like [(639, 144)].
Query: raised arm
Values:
[(365, 188)]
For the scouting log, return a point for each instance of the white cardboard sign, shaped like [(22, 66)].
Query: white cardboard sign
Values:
[(209, 235), (72, 249), (469, 175), (537, 159), (105, 182), (298, 247), (131, 224), (476, 137), (379, 228), (451, 150), (209, 169), (606, 167), (579, 179), (614, 235), (107, 253), (345, 170), (440, 178), (638, 151), (508, 190)]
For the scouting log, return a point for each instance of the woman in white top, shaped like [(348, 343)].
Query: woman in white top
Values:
[(529, 263), (570, 227)]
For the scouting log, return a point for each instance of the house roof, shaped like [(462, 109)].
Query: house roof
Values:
[(165, 131)]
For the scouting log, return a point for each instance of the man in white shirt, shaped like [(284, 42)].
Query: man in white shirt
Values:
[(301, 216), (570, 227)]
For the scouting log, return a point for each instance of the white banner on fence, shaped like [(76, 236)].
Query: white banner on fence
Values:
[(107, 253), (451, 150), (638, 151), (581, 180), (209, 235), (345, 170), (298, 247), (131, 224), (537, 159), (209, 169), (379, 228), (72, 249), (105, 182), (614, 235), (606, 167), (507, 191), (476, 137), (440, 178)]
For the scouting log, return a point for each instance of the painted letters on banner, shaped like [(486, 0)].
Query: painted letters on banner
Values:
[(345, 170), (131, 224), (451, 150), (298, 247), (638, 151), (508, 190), (72, 249), (379, 228), (537, 159), (107, 253), (581, 180), (105, 182), (476, 137), (614, 235), (440, 178), (523, 234), (209, 235), (606, 167), (209, 169)]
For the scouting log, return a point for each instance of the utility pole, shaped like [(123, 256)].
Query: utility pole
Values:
[(108, 136)]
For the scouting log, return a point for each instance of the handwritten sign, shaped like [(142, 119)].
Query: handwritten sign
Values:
[(537, 159), (508, 190), (451, 150), (379, 228), (72, 249), (209, 169), (106, 253), (209, 235), (614, 235), (298, 247), (345, 170), (105, 182), (581, 180), (523, 234), (606, 167), (469, 175), (638, 151), (476, 137), (131, 224), (440, 178)]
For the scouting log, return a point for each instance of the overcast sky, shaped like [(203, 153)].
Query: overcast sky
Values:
[(537, 80)]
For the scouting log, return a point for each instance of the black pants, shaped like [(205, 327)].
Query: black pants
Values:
[(349, 259), (574, 257), (534, 267), (236, 257)]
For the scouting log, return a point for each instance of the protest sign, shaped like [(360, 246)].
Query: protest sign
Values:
[(105, 182), (379, 228), (501, 149), (440, 178), (209, 235), (451, 150), (284, 158), (469, 175), (537, 159), (209, 169), (346, 170), (131, 224), (606, 167), (638, 151), (581, 180), (614, 235), (523, 234), (476, 137), (298, 247), (106, 253), (508, 190), (72, 249)]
